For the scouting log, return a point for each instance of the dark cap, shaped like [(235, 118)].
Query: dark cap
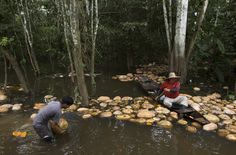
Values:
[(67, 100)]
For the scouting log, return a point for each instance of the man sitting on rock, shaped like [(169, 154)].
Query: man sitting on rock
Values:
[(171, 89), (48, 117)]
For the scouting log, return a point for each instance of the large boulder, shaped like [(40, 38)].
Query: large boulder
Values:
[(210, 127), (144, 113), (212, 118), (165, 124)]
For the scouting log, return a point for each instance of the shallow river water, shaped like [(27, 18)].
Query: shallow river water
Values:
[(97, 136)]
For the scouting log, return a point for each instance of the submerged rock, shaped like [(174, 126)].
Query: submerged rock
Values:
[(165, 124), (212, 118), (144, 113), (210, 127), (150, 121), (223, 132), (196, 124), (123, 117), (182, 122), (231, 137), (191, 129)]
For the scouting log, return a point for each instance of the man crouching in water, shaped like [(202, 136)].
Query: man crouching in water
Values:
[(48, 118), (171, 89)]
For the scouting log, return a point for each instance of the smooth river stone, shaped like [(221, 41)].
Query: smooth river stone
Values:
[(212, 118), (165, 124), (117, 112), (127, 111), (231, 128), (86, 116), (123, 117), (103, 98), (231, 137), (105, 114), (210, 127), (191, 129), (145, 114), (196, 124), (16, 107), (182, 122), (229, 112), (162, 110), (174, 115), (3, 109), (197, 99), (147, 105), (224, 117), (223, 132)]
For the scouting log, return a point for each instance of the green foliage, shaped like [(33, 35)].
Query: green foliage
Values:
[(4, 41)]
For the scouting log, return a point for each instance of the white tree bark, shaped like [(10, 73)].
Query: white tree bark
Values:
[(180, 36), (77, 51), (166, 26)]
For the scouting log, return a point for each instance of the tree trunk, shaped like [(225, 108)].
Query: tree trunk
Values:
[(17, 69), (66, 27), (5, 71), (24, 12), (77, 52), (180, 36), (94, 29), (199, 24)]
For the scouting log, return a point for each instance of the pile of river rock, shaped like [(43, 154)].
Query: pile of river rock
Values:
[(220, 113), (151, 70)]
